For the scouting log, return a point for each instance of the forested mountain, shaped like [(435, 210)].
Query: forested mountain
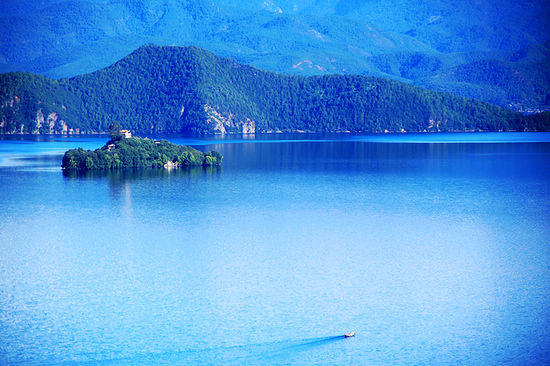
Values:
[(497, 51), (187, 89)]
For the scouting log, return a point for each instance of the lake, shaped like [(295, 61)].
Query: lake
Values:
[(432, 248)]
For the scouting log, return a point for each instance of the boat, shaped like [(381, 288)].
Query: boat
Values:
[(349, 335)]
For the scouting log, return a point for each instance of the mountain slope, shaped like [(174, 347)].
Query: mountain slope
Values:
[(420, 42), (187, 89), (518, 81)]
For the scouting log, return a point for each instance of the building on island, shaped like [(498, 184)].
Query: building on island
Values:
[(126, 133), (111, 147)]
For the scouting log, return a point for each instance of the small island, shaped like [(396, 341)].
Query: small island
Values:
[(125, 151)]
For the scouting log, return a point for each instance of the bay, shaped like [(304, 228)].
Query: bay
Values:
[(432, 248)]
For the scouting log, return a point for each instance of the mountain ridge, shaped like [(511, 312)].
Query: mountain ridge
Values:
[(190, 90), (421, 43)]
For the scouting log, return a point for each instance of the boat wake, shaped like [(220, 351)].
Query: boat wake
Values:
[(244, 354)]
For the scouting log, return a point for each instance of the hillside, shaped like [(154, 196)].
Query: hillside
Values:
[(427, 43), (190, 90)]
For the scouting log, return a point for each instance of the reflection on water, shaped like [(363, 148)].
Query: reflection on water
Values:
[(358, 157), (118, 176), (120, 181)]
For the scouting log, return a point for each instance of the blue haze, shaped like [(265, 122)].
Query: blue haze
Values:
[(434, 249)]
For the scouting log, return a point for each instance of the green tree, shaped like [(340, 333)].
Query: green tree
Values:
[(114, 129), (72, 163), (89, 162)]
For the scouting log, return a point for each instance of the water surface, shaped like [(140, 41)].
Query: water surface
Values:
[(434, 249)]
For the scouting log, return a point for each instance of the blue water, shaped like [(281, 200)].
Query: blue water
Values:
[(433, 249)]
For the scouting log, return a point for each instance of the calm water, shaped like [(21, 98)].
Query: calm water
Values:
[(434, 249)]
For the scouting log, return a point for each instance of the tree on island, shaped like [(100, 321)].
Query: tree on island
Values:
[(138, 153), (114, 130)]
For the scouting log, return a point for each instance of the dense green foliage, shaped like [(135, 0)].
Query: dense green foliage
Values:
[(521, 83), (539, 121), (138, 153), (440, 44), (186, 89), (24, 97)]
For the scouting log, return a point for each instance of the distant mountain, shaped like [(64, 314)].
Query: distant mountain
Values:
[(440, 44), (190, 90)]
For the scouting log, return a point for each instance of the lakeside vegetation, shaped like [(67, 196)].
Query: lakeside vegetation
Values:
[(189, 90), (135, 152)]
